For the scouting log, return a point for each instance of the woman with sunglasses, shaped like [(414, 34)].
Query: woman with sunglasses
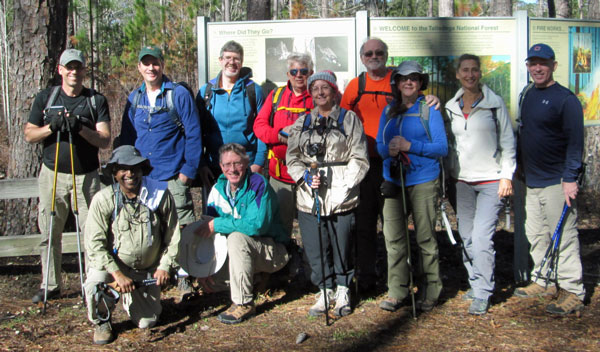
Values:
[(327, 158), (272, 126), (411, 140), (482, 159)]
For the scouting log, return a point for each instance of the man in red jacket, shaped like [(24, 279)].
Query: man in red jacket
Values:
[(273, 123)]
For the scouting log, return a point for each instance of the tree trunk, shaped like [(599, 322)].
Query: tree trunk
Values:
[(429, 8), (563, 9), (446, 8), (38, 38), (372, 8), (226, 10), (551, 9), (501, 8), (594, 10), (323, 9), (258, 10)]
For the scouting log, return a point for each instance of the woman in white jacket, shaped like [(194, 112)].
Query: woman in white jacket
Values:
[(482, 160)]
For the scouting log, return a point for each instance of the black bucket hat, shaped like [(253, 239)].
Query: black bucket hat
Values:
[(406, 68), (129, 156)]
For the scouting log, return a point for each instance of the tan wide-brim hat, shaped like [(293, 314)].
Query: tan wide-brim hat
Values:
[(199, 256)]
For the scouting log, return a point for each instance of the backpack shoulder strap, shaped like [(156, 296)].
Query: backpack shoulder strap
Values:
[(91, 99), (52, 97), (306, 124), (522, 98), (207, 95), (276, 100), (172, 111), (135, 102), (424, 116), (251, 88), (362, 82), (340, 121)]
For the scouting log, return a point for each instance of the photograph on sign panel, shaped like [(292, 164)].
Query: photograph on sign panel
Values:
[(584, 75), (277, 51), (331, 53)]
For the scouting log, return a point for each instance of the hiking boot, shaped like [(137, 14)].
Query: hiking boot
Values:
[(566, 303), (39, 296), (426, 305), (391, 304), (469, 296), (534, 290), (479, 306), (237, 313), (342, 302), (103, 333), (319, 307)]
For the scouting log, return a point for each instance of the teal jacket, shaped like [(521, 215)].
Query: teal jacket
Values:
[(254, 211)]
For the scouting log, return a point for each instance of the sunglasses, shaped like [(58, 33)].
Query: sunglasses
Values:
[(415, 77), (303, 72), (376, 53)]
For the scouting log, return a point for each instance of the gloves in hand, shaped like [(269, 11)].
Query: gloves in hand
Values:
[(57, 124), (74, 123)]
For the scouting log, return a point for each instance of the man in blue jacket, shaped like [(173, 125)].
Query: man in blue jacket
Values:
[(161, 121), (149, 123), (245, 209), (232, 101)]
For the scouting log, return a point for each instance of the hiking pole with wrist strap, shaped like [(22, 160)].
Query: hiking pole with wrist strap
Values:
[(76, 212), (315, 191), (408, 258), (552, 251), (52, 215)]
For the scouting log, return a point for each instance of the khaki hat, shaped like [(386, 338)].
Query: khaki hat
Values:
[(129, 156), (201, 256)]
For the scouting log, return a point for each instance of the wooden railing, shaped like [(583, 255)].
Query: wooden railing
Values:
[(16, 246)]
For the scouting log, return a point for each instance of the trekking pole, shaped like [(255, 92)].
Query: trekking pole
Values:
[(313, 172), (408, 259), (552, 251), (76, 213), (52, 215)]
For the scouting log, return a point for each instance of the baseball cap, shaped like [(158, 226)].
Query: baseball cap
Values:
[(540, 50), (152, 51), (71, 55)]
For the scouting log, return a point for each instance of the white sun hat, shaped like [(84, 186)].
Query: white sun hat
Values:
[(200, 256)]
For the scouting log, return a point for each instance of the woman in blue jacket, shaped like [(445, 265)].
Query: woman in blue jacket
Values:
[(413, 134)]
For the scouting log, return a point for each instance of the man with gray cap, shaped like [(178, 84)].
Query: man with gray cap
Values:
[(83, 114), (132, 241), (550, 149)]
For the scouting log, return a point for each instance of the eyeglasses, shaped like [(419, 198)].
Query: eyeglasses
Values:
[(415, 77), (376, 52), (235, 164), (326, 88), (229, 58), (302, 71)]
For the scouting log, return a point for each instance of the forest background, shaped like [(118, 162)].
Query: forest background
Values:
[(111, 32)]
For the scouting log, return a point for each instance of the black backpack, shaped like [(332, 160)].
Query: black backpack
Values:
[(362, 82), (91, 100)]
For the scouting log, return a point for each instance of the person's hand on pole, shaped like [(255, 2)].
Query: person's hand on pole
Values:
[(74, 123), (570, 190), (124, 283), (505, 188), (161, 276)]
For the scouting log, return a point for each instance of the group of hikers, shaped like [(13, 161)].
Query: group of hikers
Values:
[(337, 162)]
